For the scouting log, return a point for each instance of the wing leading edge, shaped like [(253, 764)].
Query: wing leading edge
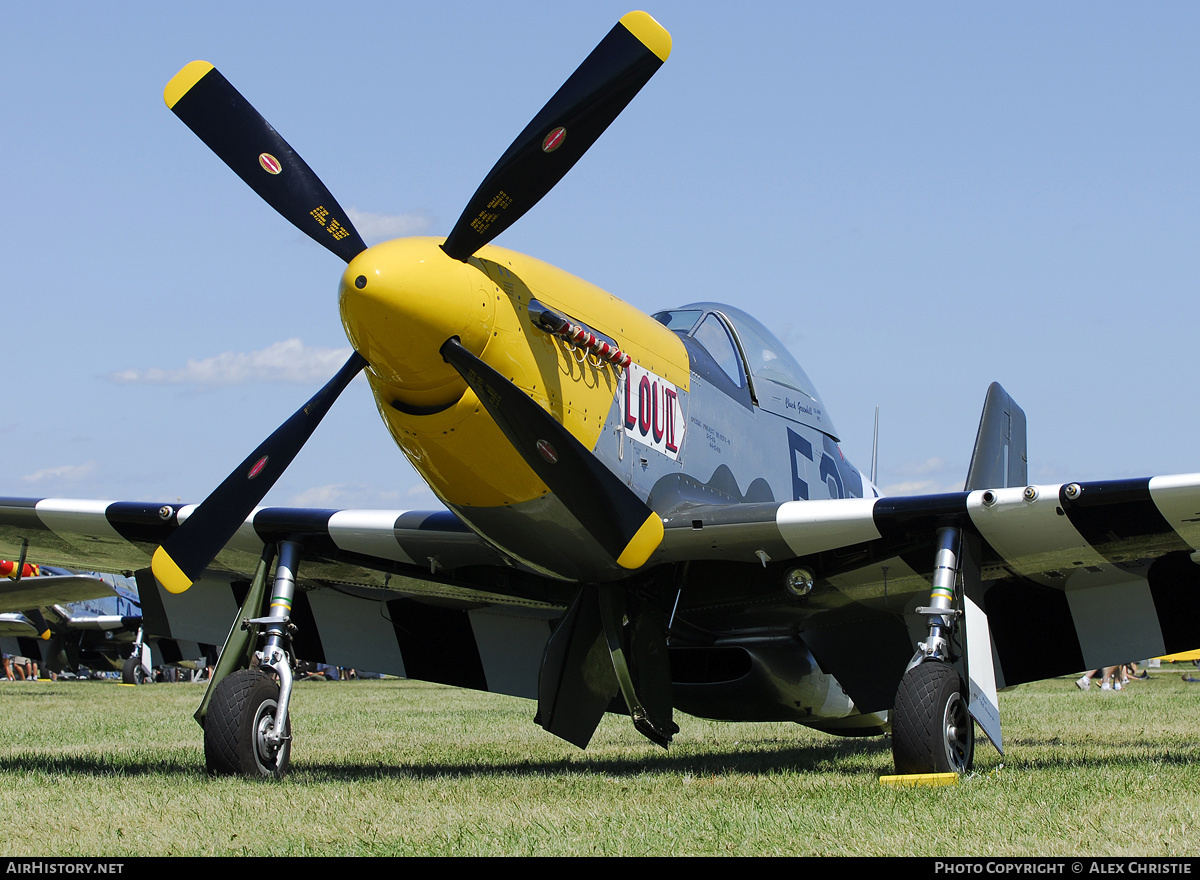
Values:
[(412, 593)]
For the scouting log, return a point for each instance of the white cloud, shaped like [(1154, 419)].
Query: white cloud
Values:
[(927, 477), (375, 228), (928, 466), (289, 361), (912, 487), (66, 473), (320, 496), (344, 495)]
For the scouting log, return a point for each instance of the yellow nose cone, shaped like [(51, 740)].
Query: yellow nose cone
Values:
[(400, 301)]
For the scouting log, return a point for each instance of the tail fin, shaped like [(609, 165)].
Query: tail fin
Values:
[(1000, 459)]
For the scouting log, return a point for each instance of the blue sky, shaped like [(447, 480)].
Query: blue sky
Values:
[(919, 199)]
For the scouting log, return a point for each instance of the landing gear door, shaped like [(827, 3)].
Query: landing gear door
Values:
[(982, 702)]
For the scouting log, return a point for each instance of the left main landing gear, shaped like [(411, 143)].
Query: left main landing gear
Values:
[(135, 671), (932, 729), (132, 672)]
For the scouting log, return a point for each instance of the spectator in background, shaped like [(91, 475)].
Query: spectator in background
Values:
[(1106, 679)]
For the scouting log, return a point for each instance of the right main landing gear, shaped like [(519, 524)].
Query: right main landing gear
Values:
[(247, 731), (240, 733)]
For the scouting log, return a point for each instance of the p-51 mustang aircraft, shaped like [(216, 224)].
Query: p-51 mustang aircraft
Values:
[(645, 513)]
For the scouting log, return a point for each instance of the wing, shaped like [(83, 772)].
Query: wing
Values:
[(40, 592), (412, 593), (17, 626), (1074, 576)]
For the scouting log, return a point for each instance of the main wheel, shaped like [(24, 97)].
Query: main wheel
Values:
[(932, 732), (133, 672), (240, 716)]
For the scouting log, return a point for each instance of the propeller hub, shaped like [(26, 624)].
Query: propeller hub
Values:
[(400, 301)]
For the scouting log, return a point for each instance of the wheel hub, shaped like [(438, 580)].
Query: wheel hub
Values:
[(957, 723), (266, 743)]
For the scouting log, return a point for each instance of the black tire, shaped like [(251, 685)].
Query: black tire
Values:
[(133, 672), (932, 732), (242, 709)]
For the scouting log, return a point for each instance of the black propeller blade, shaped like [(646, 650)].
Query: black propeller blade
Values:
[(234, 130), (191, 547), (624, 526), (39, 623), (562, 132)]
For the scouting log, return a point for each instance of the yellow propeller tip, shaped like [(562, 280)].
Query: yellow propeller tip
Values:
[(169, 574), (652, 34), (182, 82), (642, 544)]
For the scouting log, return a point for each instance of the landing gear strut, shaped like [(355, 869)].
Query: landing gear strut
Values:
[(932, 730)]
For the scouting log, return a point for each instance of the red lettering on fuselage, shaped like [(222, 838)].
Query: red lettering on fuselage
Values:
[(669, 399), (652, 411), (644, 395), (658, 429)]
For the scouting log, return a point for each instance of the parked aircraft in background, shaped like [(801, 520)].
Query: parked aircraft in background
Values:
[(644, 512), (81, 622), (28, 593)]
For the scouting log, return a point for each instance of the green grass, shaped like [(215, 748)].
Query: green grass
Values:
[(403, 768)]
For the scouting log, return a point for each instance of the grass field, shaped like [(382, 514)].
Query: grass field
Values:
[(403, 768)]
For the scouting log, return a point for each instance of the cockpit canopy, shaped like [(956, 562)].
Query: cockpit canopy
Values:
[(751, 358)]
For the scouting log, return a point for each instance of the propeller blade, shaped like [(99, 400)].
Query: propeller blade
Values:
[(192, 546), (39, 623), (234, 130), (580, 111), (622, 523)]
